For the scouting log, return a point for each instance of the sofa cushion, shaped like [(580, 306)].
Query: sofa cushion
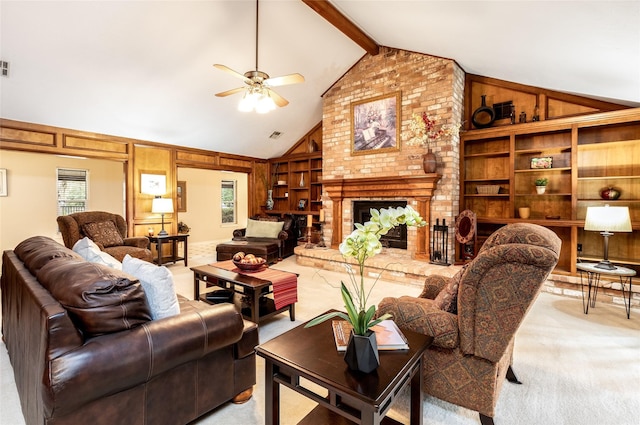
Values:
[(104, 233), (263, 229), (158, 286), (447, 299), (99, 299), (36, 251), (91, 252)]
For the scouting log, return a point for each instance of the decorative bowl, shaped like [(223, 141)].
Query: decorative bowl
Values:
[(251, 266), (610, 193)]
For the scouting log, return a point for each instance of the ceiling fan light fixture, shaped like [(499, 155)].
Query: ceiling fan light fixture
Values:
[(265, 103), (248, 101), (259, 96)]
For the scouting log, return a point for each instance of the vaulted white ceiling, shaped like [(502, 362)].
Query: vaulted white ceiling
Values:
[(143, 69)]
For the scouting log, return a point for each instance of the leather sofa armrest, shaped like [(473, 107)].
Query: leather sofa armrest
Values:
[(125, 359), (283, 235), (137, 241), (246, 346), (239, 233)]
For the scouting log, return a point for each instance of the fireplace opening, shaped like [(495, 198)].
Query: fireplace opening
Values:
[(396, 237)]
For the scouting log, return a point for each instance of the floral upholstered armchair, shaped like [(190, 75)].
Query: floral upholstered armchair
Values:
[(107, 230), (473, 316)]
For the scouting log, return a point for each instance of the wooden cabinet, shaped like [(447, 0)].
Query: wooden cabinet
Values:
[(587, 154)]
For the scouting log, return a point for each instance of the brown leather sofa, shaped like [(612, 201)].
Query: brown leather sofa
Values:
[(70, 368), (73, 227)]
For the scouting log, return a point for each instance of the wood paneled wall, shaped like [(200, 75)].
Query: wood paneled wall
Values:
[(140, 156)]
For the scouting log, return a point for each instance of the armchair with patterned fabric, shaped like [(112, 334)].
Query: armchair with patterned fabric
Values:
[(107, 230), (474, 315)]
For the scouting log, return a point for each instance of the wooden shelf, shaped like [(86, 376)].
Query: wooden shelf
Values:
[(543, 170), (585, 151)]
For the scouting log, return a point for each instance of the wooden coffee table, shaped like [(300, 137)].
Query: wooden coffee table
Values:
[(351, 397), (251, 287)]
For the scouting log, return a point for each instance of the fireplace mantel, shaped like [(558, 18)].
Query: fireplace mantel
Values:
[(420, 188)]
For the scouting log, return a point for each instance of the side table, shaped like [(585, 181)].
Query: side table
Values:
[(174, 239), (593, 281), (342, 396)]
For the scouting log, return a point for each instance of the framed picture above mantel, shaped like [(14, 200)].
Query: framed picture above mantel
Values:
[(374, 124)]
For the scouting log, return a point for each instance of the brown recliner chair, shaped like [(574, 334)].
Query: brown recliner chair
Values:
[(107, 230), (473, 316)]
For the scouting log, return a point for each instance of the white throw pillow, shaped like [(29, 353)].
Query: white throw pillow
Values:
[(90, 252), (157, 283), (263, 229)]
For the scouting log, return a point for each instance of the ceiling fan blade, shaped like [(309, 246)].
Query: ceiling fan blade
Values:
[(285, 79), (232, 72), (279, 100), (230, 92)]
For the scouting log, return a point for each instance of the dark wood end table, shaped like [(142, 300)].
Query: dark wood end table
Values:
[(174, 239), (352, 397), (254, 288)]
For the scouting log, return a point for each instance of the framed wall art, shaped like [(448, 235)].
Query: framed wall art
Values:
[(543, 163), (3, 182), (153, 183), (181, 196), (374, 125)]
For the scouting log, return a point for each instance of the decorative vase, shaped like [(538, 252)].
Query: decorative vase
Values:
[(301, 179), (524, 212), (541, 189), (362, 352), (269, 199), (429, 163)]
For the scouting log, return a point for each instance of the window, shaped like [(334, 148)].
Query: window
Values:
[(72, 190), (228, 201)]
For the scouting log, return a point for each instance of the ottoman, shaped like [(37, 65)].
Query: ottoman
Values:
[(266, 250)]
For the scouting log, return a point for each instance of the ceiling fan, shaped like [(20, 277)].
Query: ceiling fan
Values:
[(258, 93)]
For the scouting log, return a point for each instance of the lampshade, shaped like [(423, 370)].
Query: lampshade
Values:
[(162, 206), (608, 219)]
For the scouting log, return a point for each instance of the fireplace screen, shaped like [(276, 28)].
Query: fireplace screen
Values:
[(396, 237)]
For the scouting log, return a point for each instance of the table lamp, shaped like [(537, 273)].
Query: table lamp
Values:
[(162, 206), (607, 220)]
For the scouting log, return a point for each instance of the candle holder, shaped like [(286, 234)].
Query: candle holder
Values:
[(308, 245)]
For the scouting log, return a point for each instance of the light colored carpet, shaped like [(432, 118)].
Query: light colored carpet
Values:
[(575, 368)]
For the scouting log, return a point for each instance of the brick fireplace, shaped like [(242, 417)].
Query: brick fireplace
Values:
[(416, 190), (426, 84)]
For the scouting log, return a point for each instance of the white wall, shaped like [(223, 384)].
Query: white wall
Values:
[(204, 203), (30, 208)]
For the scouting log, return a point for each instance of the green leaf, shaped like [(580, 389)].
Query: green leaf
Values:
[(326, 317)]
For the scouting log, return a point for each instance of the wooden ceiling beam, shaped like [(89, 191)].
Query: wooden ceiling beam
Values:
[(341, 22)]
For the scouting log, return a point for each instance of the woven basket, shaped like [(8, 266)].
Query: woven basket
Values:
[(488, 189)]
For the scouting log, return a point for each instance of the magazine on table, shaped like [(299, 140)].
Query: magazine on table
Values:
[(388, 335)]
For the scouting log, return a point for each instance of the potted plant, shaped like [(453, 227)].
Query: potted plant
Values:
[(541, 185), (362, 243)]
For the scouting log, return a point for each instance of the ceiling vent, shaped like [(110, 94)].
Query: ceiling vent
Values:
[(275, 135)]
